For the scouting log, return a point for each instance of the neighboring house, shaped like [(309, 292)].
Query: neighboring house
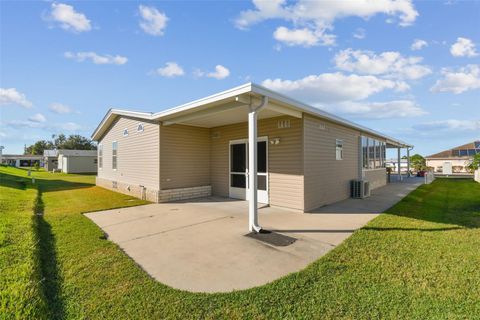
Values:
[(393, 163), (50, 160), (306, 157), (453, 160), (77, 161), (21, 160)]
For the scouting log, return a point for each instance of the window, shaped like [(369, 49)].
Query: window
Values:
[(140, 127), (339, 149), (114, 155), (100, 156), (373, 153), (365, 152), (125, 132)]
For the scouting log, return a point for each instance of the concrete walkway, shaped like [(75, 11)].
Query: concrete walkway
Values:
[(200, 245)]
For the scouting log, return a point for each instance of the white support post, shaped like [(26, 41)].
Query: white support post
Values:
[(399, 167), (252, 171), (408, 162), (252, 167)]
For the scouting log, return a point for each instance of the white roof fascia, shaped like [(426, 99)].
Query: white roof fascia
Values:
[(321, 113), (247, 88)]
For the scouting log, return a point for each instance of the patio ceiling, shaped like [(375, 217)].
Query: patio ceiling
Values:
[(227, 112)]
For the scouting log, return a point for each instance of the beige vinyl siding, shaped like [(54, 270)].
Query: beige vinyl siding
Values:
[(81, 164), (184, 156), (327, 180), (138, 153), (285, 162)]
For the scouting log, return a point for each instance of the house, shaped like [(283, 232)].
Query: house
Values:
[(453, 160), (235, 142), (76, 161), (50, 160), (22, 160), (393, 163)]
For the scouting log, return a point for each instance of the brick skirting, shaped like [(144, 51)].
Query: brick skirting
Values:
[(185, 193), (155, 195)]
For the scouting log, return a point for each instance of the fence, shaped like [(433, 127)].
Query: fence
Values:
[(476, 175), (429, 177)]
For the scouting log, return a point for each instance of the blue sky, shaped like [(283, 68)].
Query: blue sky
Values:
[(408, 69)]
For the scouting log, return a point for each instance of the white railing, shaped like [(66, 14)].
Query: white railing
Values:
[(429, 177)]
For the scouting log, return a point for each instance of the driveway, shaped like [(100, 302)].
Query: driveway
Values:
[(200, 245)]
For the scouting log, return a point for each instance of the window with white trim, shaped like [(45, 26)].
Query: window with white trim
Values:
[(100, 156), (373, 153), (339, 149), (140, 127), (114, 155)]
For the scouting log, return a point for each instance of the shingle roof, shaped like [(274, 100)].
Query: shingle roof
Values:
[(450, 154)]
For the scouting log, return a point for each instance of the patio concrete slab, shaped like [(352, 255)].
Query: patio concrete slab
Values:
[(200, 245)]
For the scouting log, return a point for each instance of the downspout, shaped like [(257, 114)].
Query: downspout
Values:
[(252, 165)]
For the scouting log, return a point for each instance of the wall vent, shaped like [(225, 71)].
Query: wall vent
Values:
[(283, 124), (114, 185)]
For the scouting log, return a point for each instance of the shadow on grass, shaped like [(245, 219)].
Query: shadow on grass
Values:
[(47, 262), (11, 181), (411, 229)]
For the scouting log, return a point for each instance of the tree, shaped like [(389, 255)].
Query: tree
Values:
[(38, 147), (475, 164), (73, 142), (418, 162)]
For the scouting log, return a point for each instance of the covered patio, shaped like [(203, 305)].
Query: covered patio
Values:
[(200, 245)]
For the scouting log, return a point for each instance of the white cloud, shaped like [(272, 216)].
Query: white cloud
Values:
[(360, 33), (463, 48), (319, 16), (451, 124), (68, 18), (96, 58), (65, 126), (153, 21), (38, 117), (333, 87), (466, 78), (171, 69), (10, 96), (60, 108), (69, 126), (390, 63), (220, 72), (418, 44), (296, 37), (377, 110)]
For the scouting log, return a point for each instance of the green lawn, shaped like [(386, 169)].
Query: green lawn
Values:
[(419, 260)]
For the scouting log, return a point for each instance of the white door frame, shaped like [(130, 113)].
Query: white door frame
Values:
[(241, 193)]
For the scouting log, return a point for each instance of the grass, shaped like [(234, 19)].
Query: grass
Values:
[(419, 260)]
